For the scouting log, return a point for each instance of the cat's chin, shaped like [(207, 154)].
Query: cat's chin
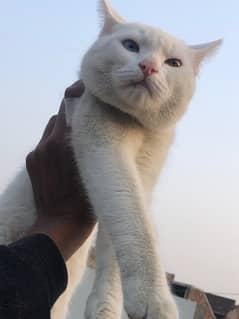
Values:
[(144, 86), (141, 89)]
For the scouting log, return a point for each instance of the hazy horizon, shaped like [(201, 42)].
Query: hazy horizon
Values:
[(197, 200)]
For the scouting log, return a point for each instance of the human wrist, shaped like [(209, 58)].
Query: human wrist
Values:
[(65, 234), (60, 233)]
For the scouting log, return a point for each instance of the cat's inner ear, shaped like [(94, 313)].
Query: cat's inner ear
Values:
[(203, 51), (108, 17)]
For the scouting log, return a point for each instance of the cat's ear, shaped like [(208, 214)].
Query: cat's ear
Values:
[(204, 51), (108, 17)]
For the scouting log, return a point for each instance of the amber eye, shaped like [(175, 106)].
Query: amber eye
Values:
[(176, 63)]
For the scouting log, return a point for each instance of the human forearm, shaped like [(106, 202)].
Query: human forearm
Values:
[(32, 276)]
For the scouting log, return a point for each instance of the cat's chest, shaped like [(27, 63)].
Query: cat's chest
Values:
[(104, 125), (149, 150), (152, 155)]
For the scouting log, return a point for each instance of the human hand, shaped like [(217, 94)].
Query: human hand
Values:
[(64, 212)]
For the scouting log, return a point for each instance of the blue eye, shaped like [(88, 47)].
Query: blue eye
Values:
[(130, 45)]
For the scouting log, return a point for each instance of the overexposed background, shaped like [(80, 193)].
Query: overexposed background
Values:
[(197, 200)]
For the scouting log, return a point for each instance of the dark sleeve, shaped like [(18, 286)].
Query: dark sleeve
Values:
[(32, 276)]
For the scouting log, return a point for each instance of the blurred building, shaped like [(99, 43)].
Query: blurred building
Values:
[(193, 303), (209, 306)]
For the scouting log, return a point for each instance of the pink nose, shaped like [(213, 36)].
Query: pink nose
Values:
[(148, 67)]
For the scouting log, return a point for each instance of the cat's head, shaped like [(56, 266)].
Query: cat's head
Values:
[(142, 70)]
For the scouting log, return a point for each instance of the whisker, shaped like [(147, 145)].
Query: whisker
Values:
[(126, 78), (156, 89), (122, 73), (158, 85), (125, 71), (155, 85)]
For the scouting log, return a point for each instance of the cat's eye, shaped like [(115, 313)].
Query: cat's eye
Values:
[(130, 45), (176, 63)]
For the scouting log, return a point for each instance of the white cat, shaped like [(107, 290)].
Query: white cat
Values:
[(138, 83)]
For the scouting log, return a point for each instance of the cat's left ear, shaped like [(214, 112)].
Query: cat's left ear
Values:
[(108, 16), (204, 51)]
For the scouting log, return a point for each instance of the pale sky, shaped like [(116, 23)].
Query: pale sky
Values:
[(197, 200)]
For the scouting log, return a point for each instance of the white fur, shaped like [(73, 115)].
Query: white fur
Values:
[(121, 134)]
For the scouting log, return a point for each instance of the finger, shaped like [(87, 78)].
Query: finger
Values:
[(32, 170), (29, 160), (48, 129), (60, 126), (75, 90)]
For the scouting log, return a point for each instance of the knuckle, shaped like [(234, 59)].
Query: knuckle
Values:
[(53, 119), (75, 90), (29, 157), (40, 150), (30, 160)]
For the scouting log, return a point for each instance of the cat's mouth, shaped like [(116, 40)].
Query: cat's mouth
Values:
[(144, 84)]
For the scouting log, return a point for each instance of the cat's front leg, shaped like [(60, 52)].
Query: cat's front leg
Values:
[(116, 194), (105, 300)]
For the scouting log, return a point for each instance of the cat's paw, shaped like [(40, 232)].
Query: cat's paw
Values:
[(153, 310), (144, 304), (162, 308), (99, 308)]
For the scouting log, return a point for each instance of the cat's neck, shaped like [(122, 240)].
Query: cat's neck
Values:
[(124, 117)]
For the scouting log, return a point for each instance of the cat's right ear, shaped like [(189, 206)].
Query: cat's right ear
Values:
[(204, 51), (108, 17)]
